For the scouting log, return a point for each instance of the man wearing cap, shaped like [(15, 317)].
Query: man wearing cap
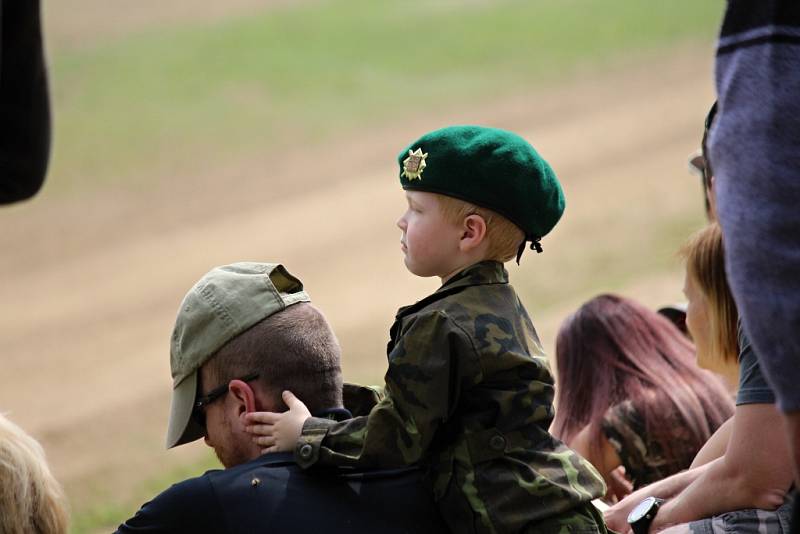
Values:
[(244, 333)]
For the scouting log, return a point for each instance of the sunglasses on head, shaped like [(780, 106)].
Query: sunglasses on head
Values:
[(198, 411)]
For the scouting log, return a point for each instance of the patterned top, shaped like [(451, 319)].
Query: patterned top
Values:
[(639, 448)]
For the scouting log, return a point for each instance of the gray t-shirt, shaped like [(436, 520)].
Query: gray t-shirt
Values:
[(753, 387), (753, 150)]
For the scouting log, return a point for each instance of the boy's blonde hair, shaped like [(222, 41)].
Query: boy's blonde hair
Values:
[(705, 263), (31, 499), (504, 237)]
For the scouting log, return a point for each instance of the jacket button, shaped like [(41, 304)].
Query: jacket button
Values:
[(497, 443), (306, 451)]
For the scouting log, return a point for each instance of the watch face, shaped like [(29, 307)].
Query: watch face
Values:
[(641, 509)]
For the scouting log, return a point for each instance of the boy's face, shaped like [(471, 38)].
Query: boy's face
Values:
[(429, 241)]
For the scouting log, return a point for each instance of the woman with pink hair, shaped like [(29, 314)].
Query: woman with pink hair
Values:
[(630, 393)]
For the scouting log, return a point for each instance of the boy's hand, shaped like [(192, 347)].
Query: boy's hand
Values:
[(277, 432)]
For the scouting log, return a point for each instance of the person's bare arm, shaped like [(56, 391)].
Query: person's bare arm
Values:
[(751, 474), (619, 486), (604, 457), (715, 446), (791, 421), (617, 516)]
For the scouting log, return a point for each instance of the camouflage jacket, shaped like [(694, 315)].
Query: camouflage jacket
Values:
[(468, 395), (640, 448)]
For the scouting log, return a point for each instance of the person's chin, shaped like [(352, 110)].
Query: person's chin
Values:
[(415, 269)]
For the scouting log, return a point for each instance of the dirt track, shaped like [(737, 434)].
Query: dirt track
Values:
[(90, 286), (79, 23)]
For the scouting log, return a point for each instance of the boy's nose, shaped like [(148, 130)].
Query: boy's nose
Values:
[(401, 223)]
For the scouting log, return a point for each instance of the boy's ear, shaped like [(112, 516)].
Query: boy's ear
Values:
[(473, 232)]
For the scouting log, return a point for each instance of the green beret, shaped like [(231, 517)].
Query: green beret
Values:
[(488, 167)]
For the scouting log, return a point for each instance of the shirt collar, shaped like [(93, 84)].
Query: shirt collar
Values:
[(483, 273)]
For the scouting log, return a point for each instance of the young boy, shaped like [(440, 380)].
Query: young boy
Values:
[(468, 391)]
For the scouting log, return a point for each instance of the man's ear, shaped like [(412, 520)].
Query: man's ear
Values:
[(243, 395), (473, 232)]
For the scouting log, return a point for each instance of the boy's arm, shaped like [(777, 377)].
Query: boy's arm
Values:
[(360, 400), (280, 431), (430, 366)]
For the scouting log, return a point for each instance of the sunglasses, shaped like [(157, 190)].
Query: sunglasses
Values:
[(706, 171), (198, 411), (699, 162)]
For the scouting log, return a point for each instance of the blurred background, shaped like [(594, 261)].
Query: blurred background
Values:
[(191, 133)]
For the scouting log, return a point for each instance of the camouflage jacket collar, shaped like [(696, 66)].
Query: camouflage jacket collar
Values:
[(483, 273)]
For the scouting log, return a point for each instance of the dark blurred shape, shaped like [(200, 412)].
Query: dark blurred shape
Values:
[(700, 165), (676, 313), (24, 102)]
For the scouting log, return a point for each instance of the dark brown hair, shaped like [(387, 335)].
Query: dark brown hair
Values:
[(294, 349), (614, 349)]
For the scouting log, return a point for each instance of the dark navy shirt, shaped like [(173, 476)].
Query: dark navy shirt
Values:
[(753, 387), (272, 494)]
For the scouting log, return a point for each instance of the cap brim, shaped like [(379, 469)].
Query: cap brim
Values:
[(182, 428)]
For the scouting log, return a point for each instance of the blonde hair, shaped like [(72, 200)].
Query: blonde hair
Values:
[(705, 263), (31, 499), (503, 236)]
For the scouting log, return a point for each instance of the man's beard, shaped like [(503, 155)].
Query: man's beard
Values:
[(231, 452)]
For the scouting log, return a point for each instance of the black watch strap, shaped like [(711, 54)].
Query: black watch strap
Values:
[(642, 516)]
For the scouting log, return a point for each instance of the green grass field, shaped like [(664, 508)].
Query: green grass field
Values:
[(131, 110)]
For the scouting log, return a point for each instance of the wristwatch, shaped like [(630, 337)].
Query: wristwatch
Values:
[(642, 516)]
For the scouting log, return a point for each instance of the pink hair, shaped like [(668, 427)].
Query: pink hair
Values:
[(614, 349)]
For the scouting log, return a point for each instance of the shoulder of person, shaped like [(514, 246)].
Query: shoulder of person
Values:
[(188, 506)]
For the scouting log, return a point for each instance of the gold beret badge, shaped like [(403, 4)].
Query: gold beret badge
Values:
[(414, 164)]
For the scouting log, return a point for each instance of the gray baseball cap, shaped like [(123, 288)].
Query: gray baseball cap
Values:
[(225, 302)]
